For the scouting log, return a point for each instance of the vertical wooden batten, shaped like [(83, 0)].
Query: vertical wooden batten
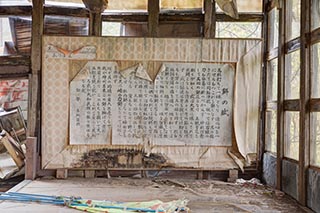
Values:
[(304, 143), (209, 18), (280, 108), (153, 17)]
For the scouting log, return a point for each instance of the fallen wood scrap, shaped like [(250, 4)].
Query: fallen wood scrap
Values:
[(13, 148)]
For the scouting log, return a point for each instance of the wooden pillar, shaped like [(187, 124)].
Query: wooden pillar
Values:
[(280, 107), (96, 7), (209, 18), (304, 143), (153, 17), (95, 24), (35, 77), (263, 93), (31, 158)]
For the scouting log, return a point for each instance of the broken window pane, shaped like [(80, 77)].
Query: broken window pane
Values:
[(14, 93), (272, 80), (315, 14), (247, 6), (292, 19), (271, 131), (238, 30), (63, 25), (111, 28), (292, 75), (315, 139), (20, 29), (15, 3), (315, 74), (291, 141), (273, 35)]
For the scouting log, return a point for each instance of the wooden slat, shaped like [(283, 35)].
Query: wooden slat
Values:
[(15, 10), (315, 36), (304, 127), (315, 105), (11, 150), (66, 11), (153, 17), (209, 18), (291, 105), (243, 17), (123, 17)]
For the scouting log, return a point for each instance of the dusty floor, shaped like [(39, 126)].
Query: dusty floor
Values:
[(205, 195)]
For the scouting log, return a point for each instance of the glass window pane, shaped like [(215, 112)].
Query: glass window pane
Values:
[(273, 35), (15, 3), (291, 141), (181, 4), (247, 6), (111, 28), (315, 139), (272, 80), (15, 35), (292, 75), (62, 25), (293, 19), (67, 3), (271, 131), (315, 14), (238, 30), (5, 37), (315, 72)]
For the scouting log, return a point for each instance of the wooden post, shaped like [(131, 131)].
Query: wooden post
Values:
[(209, 18), (62, 174), (280, 108), (95, 24), (35, 77), (304, 143), (96, 7), (31, 158), (153, 17)]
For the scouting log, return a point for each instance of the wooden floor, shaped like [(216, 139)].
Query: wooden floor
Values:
[(204, 195)]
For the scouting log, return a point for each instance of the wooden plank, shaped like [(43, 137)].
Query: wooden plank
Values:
[(291, 105), (209, 18), (280, 112), (15, 10), (243, 17), (34, 88), (31, 158), (62, 174), (65, 11), (124, 17), (89, 173), (304, 127), (11, 150), (153, 17)]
